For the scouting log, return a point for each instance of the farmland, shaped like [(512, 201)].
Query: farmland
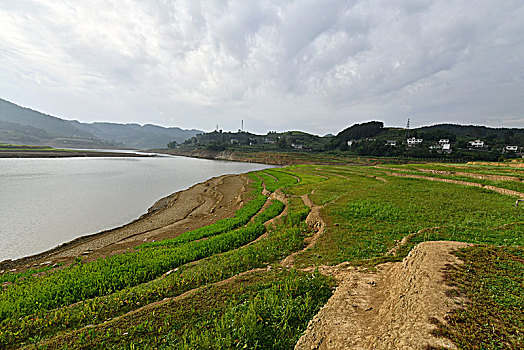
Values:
[(255, 279)]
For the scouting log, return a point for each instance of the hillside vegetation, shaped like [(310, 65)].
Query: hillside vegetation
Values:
[(373, 139), (21, 125), (251, 281)]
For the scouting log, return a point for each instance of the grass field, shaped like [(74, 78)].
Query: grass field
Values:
[(222, 286)]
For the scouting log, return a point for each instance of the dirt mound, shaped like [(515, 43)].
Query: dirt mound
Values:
[(390, 309)]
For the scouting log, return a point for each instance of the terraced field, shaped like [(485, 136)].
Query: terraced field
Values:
[(335, 247)]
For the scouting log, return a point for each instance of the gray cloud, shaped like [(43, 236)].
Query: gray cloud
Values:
[(311, 65)]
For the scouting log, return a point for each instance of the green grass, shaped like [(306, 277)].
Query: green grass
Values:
[(242, 217), (105, 276), (365, 217), (492, 281), (277, 179), (275, 208), (510, 185), (262, 310), (284, 239), (12, 277)]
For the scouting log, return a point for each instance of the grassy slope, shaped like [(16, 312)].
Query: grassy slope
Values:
[(366, 213)]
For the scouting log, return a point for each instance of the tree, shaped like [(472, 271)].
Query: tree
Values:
[(360, 131)]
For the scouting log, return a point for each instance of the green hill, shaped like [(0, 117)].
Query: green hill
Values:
[(19, 125)]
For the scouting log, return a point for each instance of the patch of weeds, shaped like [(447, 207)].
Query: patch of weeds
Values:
[(492, 280)]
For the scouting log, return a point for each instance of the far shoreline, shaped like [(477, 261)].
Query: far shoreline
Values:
[(58, 153)]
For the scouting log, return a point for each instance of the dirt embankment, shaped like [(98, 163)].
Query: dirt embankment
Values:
[(503, 191), (200, 205), (473, 175), (395, 308), (221, 155)]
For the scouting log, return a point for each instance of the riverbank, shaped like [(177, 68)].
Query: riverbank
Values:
[(59, 153), (200, 205), (275, 158)]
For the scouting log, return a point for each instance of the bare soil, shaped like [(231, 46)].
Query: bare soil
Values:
[(394, 308)]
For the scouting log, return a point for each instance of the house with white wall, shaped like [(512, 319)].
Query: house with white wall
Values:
[(413, 141), (477, 144)]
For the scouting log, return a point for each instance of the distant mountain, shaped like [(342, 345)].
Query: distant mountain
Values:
[(19, 125)]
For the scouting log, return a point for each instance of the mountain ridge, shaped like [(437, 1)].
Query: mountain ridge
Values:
[(20, 125)]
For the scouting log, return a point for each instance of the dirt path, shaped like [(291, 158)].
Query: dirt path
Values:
[(309, 173), (391, 309), (459, 182), (315, 221), (271, 176), (472, 175)]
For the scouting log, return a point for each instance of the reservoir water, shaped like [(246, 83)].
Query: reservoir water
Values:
[(45, 202)]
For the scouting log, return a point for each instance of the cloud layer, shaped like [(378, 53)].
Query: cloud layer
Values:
[(311, 65)]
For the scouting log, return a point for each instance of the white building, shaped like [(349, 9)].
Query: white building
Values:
[(391, 143), (443, 141), (476, 143), (413, 141), (350, 143), (446, 148), (297, 146), (511, 148)]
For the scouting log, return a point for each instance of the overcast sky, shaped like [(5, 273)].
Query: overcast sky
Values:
[(316, 66)]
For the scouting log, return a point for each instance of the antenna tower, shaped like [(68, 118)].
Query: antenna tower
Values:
[(242, 125), (407, 129)]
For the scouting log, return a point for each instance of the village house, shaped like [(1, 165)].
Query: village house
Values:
[(297, 146), (391, 143), (234, 141), (511, 148), (443, 141), (477, 143), (413, 141), (441, 148)]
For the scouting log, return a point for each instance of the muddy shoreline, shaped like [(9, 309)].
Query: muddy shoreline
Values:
[(202, 204)]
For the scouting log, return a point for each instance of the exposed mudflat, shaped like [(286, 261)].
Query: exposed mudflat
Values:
[(200, 205)]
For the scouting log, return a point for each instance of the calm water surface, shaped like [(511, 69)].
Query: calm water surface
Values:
[(46, 202)]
